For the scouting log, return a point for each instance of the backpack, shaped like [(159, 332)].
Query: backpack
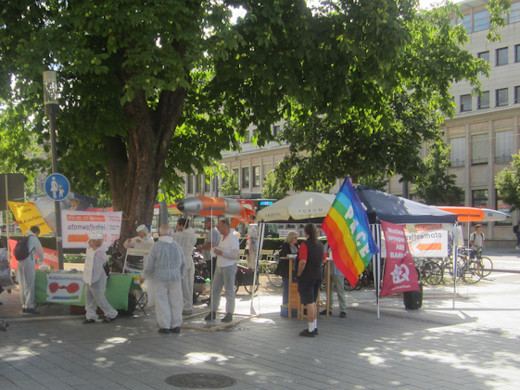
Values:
[(21, 249)]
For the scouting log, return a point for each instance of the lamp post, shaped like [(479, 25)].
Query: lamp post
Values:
[(50, 102)]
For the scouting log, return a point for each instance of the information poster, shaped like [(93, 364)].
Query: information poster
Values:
[(76, 226), (135, 261), (64, 287)]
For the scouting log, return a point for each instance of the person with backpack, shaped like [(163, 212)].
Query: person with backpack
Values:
[(477, 238), (28, 247)]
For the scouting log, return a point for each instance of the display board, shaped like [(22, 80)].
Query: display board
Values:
[(135, 261)]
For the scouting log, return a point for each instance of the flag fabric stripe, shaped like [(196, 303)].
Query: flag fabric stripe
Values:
[(348, 233)]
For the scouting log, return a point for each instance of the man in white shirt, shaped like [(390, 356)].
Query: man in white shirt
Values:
[(227, 253)]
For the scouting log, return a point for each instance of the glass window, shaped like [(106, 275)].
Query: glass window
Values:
[(190, 184), (502, 56), (207, 184), (276, 130), (505, 208), (466, 22), (514, 15), (502, 98), (517, 94), (256, 176), (483, 100), (481, 20), (479, 149), (458, 152), (465, 103), (479, 198), (247, 137), (504, 146), (245, 177), (484, 55), (517, 52)]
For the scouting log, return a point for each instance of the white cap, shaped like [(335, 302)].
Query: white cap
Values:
[(141, 228), (96, 236)]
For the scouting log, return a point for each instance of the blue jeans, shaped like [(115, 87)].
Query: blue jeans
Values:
[(224, 277)]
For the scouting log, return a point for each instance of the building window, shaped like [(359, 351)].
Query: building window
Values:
[(484, 56), (502, 98), (207, 184), (458, 152), (483, 100), (247, 137), (502, 56), (481, 20), (517, 94), (479, 149), (479, 198), (245, 177), (517, 52), (504, 146), (276, 130), (190, 184), (514, 14), (465, 103), (466, 22), (505, 208), (256, 176)]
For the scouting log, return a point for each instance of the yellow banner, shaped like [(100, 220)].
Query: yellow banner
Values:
[(28, 215)]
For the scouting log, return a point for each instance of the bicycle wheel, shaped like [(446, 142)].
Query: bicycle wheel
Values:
[(487, 266), (432, 273), (274, 279), (472, 272), (249, 288)]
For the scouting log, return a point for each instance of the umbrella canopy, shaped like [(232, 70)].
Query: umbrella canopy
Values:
[(474, 214), (302, 207)]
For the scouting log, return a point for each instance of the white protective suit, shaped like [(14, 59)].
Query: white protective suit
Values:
[(187, 240), (26, 274), (95, 280), (165, 268)]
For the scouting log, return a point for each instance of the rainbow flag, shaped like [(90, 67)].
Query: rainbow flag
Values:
[(348, 233)]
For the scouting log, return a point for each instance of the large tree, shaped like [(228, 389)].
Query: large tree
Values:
[(149, 89)]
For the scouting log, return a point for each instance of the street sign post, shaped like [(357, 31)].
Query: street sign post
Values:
[(57, 186)]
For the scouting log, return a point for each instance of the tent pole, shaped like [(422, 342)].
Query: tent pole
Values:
[(260, 233), (454, 249)]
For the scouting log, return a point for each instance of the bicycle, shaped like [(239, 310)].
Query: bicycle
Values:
[(470, 269), (429, 271), (486, 263), (274, 279)]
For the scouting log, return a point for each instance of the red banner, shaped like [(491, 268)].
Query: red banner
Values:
[(400, 272)]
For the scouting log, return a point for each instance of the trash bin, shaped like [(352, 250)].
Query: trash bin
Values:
[(413, 299)]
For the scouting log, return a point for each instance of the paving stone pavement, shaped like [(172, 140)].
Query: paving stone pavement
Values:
[(474, 346)]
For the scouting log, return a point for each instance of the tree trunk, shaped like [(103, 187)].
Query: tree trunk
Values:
[(135, 165)]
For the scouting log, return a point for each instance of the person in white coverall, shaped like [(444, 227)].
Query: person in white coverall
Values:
[(187, 239), (145, 242), (95, 280), (26, 274), (165, 266), (141, 241)]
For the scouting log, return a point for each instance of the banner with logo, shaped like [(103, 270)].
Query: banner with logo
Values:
[(400, 272), (76, 226), (28, 215)]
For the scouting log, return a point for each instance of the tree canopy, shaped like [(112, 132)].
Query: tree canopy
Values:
[(149, 90)]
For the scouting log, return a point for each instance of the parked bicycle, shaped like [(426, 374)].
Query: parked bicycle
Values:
[(429, 271), (469, 269)]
